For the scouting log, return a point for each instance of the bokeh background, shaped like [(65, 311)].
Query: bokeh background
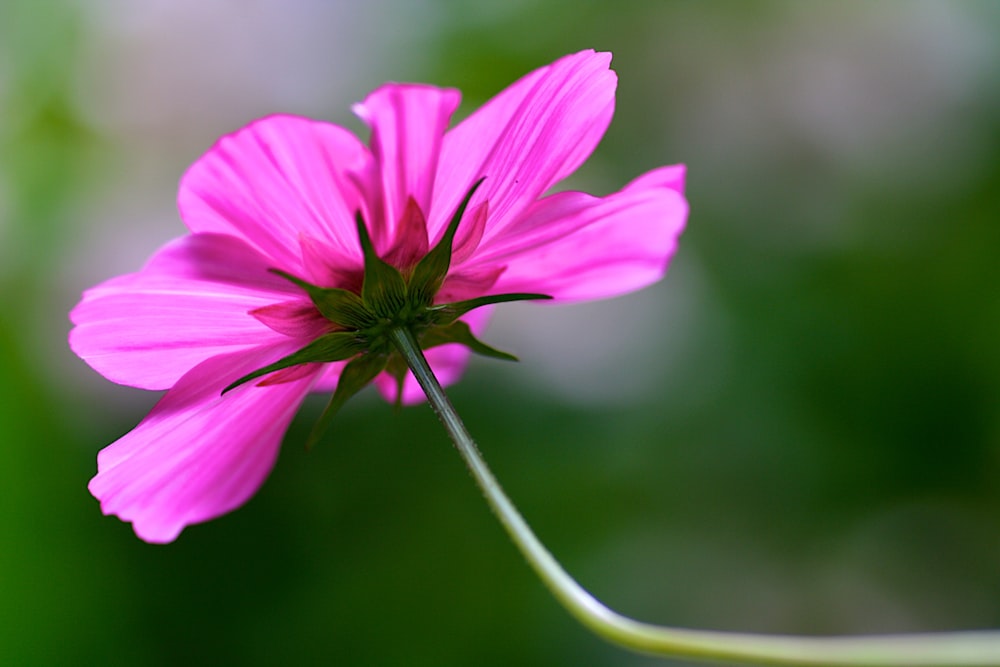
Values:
[(797, 431)]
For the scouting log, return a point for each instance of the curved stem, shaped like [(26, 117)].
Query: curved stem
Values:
[(955, 649)]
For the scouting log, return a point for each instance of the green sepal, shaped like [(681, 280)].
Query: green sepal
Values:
[(337, 305), (459, 332), (429, 273), (449, 312), (355, 377), (383, 290), (398, 369), (329, 347)]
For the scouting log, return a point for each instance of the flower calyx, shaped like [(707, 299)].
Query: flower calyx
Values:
[(389, 299)]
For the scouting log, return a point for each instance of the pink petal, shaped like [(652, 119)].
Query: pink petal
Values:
[(297, 318), (189, 303), (573, 246), (447, 361), (665, 177), (410, 244), (329, 376), (198, 454), (326, 266), (275, 179), (468, 283), (470, 233), (408, 123), (291, 374), (526, 139)]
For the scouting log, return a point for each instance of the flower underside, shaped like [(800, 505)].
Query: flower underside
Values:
[(391, 297)]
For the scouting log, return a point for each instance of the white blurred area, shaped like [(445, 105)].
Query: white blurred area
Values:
[(877, 87), (164, 79), (843, 94)]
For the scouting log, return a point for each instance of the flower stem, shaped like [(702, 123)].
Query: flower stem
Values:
[(952, 649)]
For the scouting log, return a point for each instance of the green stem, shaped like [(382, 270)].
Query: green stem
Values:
[(954, 649)]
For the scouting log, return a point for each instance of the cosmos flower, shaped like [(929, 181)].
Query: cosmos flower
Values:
[(305, 243)]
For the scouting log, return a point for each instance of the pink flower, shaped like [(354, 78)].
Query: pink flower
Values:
[(282, 194)]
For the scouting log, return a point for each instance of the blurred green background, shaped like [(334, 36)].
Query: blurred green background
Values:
[(797, 431)]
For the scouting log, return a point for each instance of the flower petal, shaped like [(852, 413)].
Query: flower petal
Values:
[(466, 284), (447, 361), (530, 136), (671, 176), (275, 179), (410, 244), (297, 318), (573, 246), (326, 266), (407, 122), (198, 454), (470, 233), (190, 302), (329, 377)]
